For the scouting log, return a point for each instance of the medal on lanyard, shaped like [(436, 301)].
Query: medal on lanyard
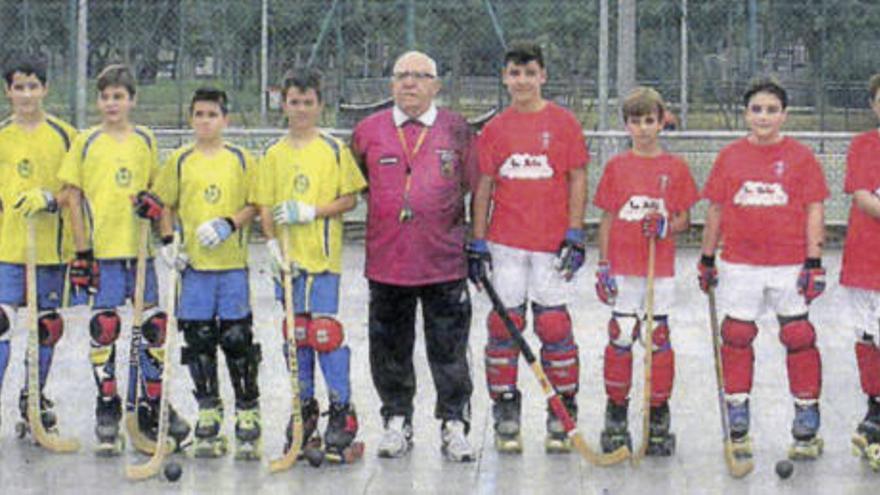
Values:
[(406, 213)]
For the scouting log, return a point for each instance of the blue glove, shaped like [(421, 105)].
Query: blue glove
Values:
[(479, 261), (606, 285), (292, 211), (571, 254), (215, 231)]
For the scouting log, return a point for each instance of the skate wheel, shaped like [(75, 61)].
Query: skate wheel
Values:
[(873, 455)]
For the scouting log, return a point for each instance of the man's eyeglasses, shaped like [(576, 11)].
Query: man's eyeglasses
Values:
[(418, 76)]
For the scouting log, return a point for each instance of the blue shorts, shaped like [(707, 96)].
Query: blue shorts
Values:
[(50, 285), (116, 284), (313, 293), (205, 295)]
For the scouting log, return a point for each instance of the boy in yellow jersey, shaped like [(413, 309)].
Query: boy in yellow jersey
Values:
[(207, 187), (107, 166), (307, 180), (32, 146)]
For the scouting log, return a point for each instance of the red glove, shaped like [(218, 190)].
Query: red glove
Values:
[(147, 205), (606, 285), (707, 273), (811, 282), (84, 271), (655, 225)]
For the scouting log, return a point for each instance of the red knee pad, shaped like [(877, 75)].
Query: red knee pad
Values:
[(51, 328), (501, 369), (868, 357), (737, 355), (300, 324), (662, 376), (618, 373), (325, 334), (154, 328), (104, 327), (802, 360), (154, 389), (553, 325), (562, 367), (497, 329), (623, 329), (660, 336)]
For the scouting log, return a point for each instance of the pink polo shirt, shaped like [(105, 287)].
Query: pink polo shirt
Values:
[(428, 248)]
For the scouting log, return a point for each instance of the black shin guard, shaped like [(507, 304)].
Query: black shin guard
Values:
[(200, 356), (243, 360)]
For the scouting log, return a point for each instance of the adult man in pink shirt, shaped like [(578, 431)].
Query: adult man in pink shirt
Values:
[(419, 164)]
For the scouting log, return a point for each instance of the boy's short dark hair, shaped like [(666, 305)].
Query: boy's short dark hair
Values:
[(302, 80), (521, 53), (643, 101), (117, 75), (212, 95), (27, 66), (874, 86), (766, 85)]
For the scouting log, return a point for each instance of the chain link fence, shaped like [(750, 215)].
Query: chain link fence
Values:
[(822, 50)]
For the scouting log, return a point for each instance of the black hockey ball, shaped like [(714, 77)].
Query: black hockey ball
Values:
[(784, 468), (173, 471), (314, 456)]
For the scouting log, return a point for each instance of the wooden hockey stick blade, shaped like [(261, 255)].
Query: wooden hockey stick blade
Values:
[(139, 440), (50, 441), (609, 459), (738, 468)]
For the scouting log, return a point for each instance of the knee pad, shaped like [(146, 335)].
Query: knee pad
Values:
[(660, 336), (51, 328), (104, 327), (154, 327), (737, 354), (236, 337), (623, 330), (868, 359), (201, 337), (497, 329), (552, 324), (802, 359), (325, 334), (300, 326), (6, 313), (502, 365)]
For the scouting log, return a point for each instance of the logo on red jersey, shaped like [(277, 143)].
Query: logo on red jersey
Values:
[(756, 193), (526, 166), (779, 168), (636, 207), (664, 183)]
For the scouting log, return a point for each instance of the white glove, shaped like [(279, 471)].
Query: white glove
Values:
[(278, 264), (292, 211), (215, 231), (172, 256)]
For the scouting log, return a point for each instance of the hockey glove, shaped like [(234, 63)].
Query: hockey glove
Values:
[(292, 211), (571, 254), (35, 200), (172, 255), (707, 274), (215, 231), (278, 264), (479, 261), (84, 272), (655, 225), (147, 205), (606, 286), (811, 282)]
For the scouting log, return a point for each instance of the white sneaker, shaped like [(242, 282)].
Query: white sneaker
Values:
[(396, 441), (456, 447)]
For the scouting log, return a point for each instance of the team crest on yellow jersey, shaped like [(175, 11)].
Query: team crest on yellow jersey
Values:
[(212, 193), (123, 177), (301, 183), (24, 168)]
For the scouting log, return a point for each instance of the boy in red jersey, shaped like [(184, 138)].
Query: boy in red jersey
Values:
[(766, 194), (860, 272), (533, 171), (644, 193)]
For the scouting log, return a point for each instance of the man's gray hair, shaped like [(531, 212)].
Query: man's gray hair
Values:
[(419, 55)]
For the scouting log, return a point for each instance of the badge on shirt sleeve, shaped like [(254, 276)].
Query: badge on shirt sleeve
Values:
[(212, 194), (447, 162)]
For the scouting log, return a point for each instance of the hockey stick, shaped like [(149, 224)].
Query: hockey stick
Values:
[(51, 441), (737, 467), (289, 458), (154, 464), (138, 439), (550, 393), (649, 354)]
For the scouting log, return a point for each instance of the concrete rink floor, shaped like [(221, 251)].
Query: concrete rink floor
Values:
[(697, 467)]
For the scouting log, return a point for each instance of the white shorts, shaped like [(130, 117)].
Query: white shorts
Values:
[(744, 289), (519, 274), (631, 292), (863, 311)]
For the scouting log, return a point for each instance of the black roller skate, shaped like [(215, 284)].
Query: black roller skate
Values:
[(557, 441), (660, 441), (342, 427), (311, 413), (248, 434), (47, 415), (616, 433), (108, 413), (807, 444), (866, 441), (506, 412), (738, 418), (209, 442), (148, 423)]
